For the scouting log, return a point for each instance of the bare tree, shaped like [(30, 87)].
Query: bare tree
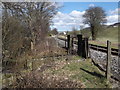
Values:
[(81, 27), (94, 17), (54, 31), (23, 22), (74, 32)]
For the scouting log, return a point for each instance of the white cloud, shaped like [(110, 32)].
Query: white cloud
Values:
[(112, 19), (113, 16), (75, 13), (91, 5), (64, 21), (115, 12)]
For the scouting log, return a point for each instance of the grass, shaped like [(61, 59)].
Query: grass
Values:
[(87, 73), (110, 34), (83, 71), (75, 69), (103, 42)]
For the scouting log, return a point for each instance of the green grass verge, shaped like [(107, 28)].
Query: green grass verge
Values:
[(87, 73), (83, 71)]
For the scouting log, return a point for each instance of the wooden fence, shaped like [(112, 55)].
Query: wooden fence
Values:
[(83, 49), (95, 47)]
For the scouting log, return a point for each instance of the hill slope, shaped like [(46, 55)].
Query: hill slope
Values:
[(108, 33)]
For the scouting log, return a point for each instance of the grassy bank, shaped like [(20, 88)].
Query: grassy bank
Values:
[(75, 72), (89, 75)]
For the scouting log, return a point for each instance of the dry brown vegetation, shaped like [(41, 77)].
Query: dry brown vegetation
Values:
[(42, 58), (43, 78), (23, 23)]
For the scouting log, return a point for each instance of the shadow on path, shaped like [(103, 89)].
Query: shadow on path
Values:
[(93, 73)]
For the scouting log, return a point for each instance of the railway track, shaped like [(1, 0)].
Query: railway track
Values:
[(104, 49), (98, 48)]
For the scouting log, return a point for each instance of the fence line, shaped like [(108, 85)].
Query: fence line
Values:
[(98, 47), (83, 50)]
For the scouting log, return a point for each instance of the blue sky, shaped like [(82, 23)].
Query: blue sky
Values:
[(70, 14), (81, 6)]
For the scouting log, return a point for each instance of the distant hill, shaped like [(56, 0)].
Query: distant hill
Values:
[(107, 26), (109, 32), (114, 25)]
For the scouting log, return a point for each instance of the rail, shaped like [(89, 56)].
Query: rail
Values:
[(98, 47)]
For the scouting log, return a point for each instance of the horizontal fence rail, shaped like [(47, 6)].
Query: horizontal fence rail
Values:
[(103, 49), (97, 47)]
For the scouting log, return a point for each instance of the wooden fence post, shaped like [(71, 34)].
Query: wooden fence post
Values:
[(72, 45), (65, 42), (108, 60), (119, 62), (83, 48), (32, 46), (25, 65), (79, 51), (86, 48), (89, 52), (32, 66), (68, 43)]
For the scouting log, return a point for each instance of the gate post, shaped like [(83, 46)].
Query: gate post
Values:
[(68, 43), (72, 45), (65, 42), (79, 51), (83, 48), (72, 42)]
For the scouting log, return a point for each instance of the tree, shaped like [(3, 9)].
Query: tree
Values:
[(23, 22), (54, 31), (81, 28), (74, 32), (94, 17)]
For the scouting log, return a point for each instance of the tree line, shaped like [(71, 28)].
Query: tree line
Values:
[(23, 23)]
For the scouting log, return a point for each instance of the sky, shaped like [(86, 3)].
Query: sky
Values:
[(70, 14)]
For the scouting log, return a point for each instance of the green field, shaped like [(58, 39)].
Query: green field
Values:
[(105, 34), (110, 34)]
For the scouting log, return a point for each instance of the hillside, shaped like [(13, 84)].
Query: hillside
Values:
[(108, 33)]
